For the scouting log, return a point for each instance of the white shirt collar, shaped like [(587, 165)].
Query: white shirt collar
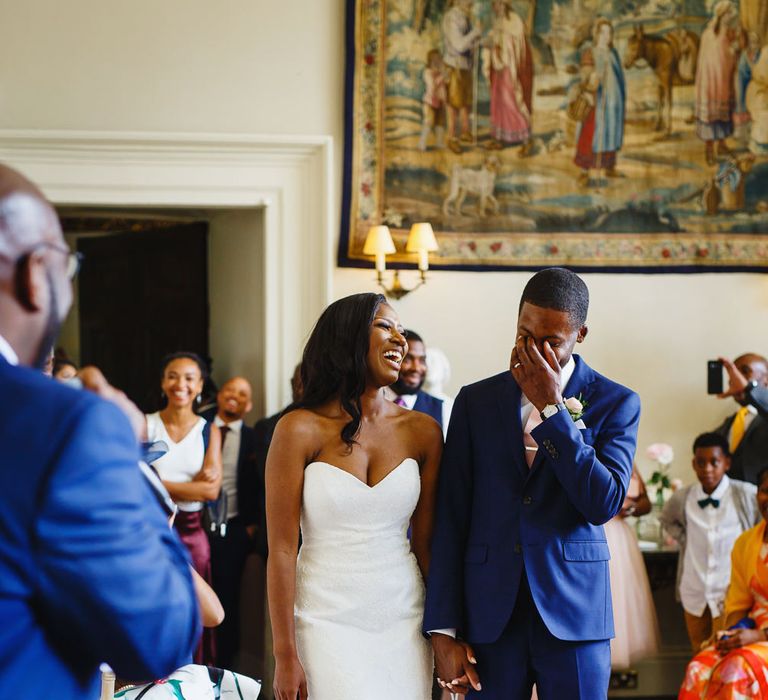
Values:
[(8, 352), (565, 376), (234, 426), (717, 494)]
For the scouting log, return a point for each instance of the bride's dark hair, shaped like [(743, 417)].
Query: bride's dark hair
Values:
[(334, 361)]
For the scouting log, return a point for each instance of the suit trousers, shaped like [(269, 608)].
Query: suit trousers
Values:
[(528, 653), (228, 555)]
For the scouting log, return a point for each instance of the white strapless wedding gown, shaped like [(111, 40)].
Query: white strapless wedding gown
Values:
[(359, 591)]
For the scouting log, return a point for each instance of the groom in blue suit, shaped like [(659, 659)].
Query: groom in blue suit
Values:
[(90, 571), (537, 459)]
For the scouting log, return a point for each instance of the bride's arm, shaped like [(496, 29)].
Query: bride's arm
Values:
[(284, 482), (430, 448)]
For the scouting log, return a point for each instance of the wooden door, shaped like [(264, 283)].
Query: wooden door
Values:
[(141, 296)]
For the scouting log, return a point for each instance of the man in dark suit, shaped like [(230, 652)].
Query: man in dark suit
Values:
[(747, 429), (407, 388), (264, 429), (537, 459), (245, 512), (90, 572)]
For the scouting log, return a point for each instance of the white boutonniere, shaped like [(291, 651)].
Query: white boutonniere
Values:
[(576, 407)]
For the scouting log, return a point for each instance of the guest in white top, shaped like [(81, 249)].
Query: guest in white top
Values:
[(706, 518), (190, 472)]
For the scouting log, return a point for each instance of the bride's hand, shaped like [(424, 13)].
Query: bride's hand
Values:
[(454, 662), (290, 680)]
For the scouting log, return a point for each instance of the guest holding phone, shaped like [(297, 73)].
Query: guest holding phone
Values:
[(747, 429), (735, 664)]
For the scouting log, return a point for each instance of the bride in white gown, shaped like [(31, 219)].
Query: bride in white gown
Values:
[(353, 471)]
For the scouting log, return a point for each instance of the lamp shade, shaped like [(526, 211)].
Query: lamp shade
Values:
[(379, 241), (421, 238)]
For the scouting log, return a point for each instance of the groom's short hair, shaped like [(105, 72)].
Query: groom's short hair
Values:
[(558, 289)]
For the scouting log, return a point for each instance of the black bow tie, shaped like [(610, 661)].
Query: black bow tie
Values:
[(708, 501)]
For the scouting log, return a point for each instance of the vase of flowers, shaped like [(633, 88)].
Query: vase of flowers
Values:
[(649, 526), (662, 454)]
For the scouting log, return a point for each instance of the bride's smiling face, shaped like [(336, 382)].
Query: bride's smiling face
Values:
[(386, 347)]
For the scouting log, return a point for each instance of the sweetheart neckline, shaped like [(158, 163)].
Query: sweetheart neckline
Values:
[(360, 481)]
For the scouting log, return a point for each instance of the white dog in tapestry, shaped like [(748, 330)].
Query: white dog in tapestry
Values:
[(480, 182)]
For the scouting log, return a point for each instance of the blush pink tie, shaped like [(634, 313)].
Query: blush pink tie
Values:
[(531, 448)]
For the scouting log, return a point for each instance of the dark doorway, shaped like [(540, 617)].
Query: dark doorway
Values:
[(143, 294)]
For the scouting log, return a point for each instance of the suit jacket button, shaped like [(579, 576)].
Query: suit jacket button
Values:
[(527, 500), (518, 548)]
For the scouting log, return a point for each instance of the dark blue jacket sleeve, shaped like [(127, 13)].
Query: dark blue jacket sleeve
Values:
[(595, 477), (111, 573), (445, 590)]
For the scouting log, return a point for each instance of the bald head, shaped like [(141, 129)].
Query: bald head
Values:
[(234, 399), (35, 291), (753, 366), (26, 218)]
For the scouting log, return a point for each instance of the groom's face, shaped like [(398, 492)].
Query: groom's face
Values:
[(556, 327)]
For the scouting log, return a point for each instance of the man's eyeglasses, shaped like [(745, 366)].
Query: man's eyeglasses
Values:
[(74, 260)]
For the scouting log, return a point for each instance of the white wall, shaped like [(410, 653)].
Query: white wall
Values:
[(236, 297), (267, 66)]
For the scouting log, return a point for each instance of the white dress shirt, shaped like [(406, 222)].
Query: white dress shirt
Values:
[(409, 401), (709, 533), (230, 454), (525, 411), (8, 352)]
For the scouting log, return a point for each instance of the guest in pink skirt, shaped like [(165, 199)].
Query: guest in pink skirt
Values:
[(634, 615), (190, 471)]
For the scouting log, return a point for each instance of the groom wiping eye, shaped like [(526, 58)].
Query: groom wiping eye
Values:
[(545, 449)]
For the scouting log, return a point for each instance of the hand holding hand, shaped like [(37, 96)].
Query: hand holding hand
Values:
[(537, 374), (737, 382), (454, 663), (290, 680)]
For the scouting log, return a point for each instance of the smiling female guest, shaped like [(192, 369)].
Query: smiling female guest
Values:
[(737, 665), (354, 469), (190, 471)]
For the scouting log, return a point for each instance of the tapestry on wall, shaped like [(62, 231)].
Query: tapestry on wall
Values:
[(598, 134)]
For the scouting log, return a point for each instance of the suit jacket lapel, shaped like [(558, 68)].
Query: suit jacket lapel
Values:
[(508, 396)]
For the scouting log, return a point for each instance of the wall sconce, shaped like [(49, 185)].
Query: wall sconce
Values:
[(379, 243)]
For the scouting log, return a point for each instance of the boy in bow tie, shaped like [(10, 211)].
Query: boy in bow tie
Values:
[(706, 518)]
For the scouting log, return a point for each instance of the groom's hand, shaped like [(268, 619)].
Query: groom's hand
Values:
[(536, 373), (454, 663)]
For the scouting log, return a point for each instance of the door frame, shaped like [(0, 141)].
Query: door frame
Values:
[(288, 178)]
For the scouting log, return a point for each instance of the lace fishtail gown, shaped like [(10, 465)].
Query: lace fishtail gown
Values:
[(359, 592)]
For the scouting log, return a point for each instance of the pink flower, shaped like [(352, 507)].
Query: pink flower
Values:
[(660, 452), (574, 405)]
